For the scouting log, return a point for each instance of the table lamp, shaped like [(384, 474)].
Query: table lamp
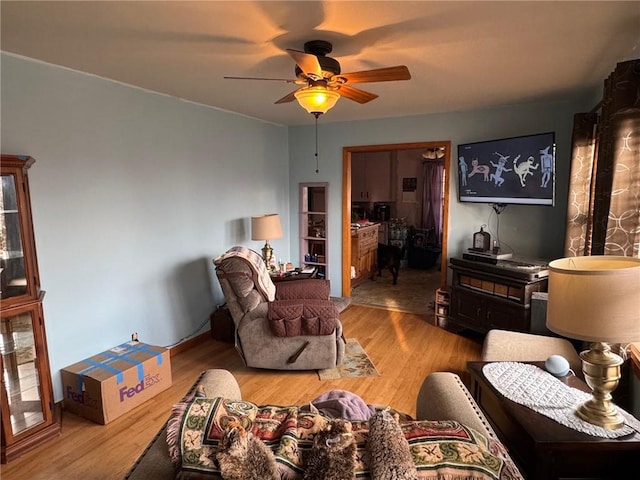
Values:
[(266, 227), (596, 299)]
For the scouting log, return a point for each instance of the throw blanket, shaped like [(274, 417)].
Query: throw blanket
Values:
[(253, 259), (443, 450), (343, 404)]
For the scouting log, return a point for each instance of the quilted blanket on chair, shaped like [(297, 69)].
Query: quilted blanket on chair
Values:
[(253, 259), (441, 450)]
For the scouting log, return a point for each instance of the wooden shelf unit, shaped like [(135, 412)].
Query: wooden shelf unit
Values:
[(314, 242), (442, 306)]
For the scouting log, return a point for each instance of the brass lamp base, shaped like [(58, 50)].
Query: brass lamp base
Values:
[(601, 368), (267, 255)]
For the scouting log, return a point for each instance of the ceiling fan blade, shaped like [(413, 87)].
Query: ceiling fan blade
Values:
[(387, 74), (356, 94), (307, 62), (288, 80), (290, 97)]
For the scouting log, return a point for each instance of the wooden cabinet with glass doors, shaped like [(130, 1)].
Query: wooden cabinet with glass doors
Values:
[(28, 417)]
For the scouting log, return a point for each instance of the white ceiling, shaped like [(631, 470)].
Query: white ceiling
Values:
[(462, 55)]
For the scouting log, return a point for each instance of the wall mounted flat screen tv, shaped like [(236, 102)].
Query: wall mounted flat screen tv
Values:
[(517, 170)]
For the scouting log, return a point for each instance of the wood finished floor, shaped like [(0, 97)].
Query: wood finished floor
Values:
[(414, 291), (404, 347)]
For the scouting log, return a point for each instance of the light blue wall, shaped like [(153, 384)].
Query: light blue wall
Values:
[(133, 195), (530, 231)]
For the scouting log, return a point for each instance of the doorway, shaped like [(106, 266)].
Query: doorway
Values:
[(347, 152)]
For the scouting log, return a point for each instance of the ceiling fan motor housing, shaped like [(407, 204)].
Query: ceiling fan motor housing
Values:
[(320, 48), (321, 82)]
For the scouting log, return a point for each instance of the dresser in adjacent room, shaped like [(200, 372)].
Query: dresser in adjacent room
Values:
[(364, 252)]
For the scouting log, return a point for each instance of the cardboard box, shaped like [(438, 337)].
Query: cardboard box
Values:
[(104, 386)]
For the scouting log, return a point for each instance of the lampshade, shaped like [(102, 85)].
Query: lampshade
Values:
[(595, 298), (266, 227), (317, 99)]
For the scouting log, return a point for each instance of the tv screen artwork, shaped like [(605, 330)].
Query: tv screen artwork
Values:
[(518, 170)]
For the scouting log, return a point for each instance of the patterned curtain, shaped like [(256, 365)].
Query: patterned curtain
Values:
[(579, 206), (432, 200), (603, 214)]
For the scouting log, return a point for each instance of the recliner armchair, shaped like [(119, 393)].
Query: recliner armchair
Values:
[(292, 326)]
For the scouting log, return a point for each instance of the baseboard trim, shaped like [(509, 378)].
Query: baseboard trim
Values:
[(187, 344)]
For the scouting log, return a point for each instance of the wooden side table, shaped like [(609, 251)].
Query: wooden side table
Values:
[(293, 276), (545, 449), (222, 326)]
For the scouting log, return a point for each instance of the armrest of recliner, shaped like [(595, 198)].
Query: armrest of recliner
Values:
[(295, 317), (312, 288)]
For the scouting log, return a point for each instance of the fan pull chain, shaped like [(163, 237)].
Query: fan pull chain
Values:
[(317, 169)]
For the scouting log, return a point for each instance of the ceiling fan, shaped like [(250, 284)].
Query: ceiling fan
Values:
[(322, 81)]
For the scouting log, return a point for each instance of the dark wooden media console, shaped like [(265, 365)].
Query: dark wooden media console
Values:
[(486, 296)]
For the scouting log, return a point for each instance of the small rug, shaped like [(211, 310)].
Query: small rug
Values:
[(356, 363)]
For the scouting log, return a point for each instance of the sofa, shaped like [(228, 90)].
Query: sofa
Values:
[(508, 346), (442, 398)]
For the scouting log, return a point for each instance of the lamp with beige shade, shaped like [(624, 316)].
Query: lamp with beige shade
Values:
[(266, 227), (596, 299)]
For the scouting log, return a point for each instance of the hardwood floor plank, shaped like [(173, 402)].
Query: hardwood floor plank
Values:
[(404, 347)]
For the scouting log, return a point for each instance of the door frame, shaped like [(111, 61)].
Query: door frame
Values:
[(346, 203)]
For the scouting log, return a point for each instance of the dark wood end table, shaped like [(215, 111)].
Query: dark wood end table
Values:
[(298, 275), (545, 449)]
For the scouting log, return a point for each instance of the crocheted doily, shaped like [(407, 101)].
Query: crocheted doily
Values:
[(537, 389)]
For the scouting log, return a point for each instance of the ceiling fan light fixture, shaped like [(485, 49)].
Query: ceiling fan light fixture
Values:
[(317, 99)]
